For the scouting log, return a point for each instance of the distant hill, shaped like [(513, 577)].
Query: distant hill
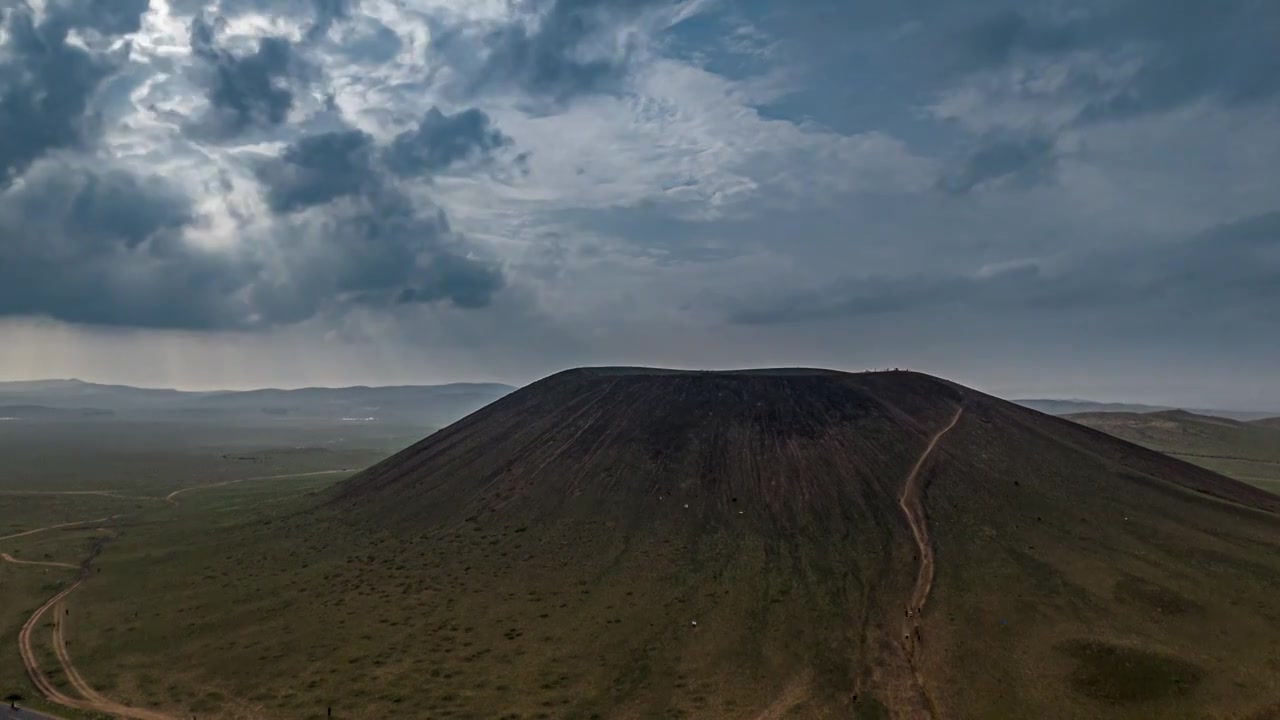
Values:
[(430, 404), (1248, 451), (649, 543), (1075, 407), (41, 412), (1271, 422)]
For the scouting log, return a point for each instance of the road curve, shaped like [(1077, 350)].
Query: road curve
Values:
[(38, 678), (9, 558), (63, 525), (912, 504), (170, 497), (101, 703), (92, 701)]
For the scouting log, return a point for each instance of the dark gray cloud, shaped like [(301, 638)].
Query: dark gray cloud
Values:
[(467, 283), (361, 239), (46, 83), (327, 12), (109, 17), (324, 14), (553, 51), (318, 169), (104, 248), (1228, 273), (107, 247), (442, 140), (1183, 51), (377, 249), (244, 91), (1019, 161)]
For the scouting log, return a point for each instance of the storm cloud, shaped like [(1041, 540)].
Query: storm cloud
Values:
[(108, 248), (318, 169), (105, 248), (440, 141), (46, 82), (247, 91), (999, 188), (361, 238), (550, 50)]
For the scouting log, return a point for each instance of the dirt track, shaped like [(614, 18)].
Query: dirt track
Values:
[(912, 503), (170, 497), (92, 701), (9, 558), (63, 525)]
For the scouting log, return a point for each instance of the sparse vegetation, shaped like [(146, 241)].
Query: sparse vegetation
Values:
[(538, 560), (1247, 451)]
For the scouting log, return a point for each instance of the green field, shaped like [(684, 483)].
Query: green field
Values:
[(119, 474), (1247, 451)]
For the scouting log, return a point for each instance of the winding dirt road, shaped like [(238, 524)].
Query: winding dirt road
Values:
[(91, 699), (63, 525), (170, 498), (912, 504), (11, 559), (92, 702)]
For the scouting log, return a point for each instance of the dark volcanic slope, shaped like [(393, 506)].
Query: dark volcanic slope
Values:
[(580, 525)]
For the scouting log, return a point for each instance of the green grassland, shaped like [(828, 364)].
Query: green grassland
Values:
[(266, 613), (23, 588), (1247, 451), (66, 472), (244, 603), (144, 458), (1071, 583), (150, 547)]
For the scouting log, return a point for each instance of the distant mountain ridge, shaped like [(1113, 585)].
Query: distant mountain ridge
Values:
[(1078, 406), (434, 404)]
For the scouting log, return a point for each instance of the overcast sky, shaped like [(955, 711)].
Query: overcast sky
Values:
[(1035, 197)]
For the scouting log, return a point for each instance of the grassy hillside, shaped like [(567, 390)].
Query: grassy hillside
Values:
[(1248, 451), (548, 556)]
